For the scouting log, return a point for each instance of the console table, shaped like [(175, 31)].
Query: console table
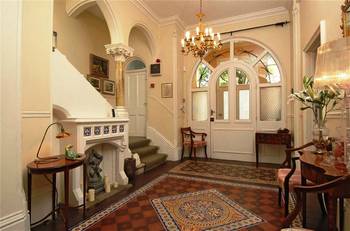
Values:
[(318, 169), (271, 138), (60, 165)]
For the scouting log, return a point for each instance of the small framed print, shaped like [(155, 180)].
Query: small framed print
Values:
[(108, 87), (95, 82), (99, 66), (167, 90)]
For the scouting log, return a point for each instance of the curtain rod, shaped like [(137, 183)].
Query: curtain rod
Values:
[(281, 24)]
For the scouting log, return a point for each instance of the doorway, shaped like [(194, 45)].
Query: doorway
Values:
[(233, 93), (135, 80)]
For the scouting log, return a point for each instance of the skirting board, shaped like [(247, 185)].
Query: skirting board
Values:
[(15, 221), (165, 146)]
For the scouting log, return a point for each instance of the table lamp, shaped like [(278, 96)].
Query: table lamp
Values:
[(333, 68), (60, 135)]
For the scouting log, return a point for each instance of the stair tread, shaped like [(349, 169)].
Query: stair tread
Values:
[(155, 157), (145, 150), (138, 141)]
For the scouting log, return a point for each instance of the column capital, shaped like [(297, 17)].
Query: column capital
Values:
[(119, 51)]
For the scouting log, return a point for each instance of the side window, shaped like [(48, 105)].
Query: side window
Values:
[(242, 95), (222, 96)]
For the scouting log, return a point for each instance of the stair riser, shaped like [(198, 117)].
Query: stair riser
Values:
[(139, 144)]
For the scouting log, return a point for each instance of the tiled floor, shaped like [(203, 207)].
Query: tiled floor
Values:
[(138, 214)]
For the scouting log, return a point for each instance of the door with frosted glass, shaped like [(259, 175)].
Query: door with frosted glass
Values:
[(232, 122)]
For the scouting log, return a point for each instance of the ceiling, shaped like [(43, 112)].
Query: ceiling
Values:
[(213, 9)]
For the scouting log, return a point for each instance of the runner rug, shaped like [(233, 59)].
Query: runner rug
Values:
[(178, 202), (227, 171)]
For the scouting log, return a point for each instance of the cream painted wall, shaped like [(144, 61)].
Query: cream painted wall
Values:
[(80, 36), (36, 92), (13, 205)]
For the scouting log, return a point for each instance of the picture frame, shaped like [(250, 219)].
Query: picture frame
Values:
[(108, 87), (99, 66), (94, 81), (167, 90), (345, 26)]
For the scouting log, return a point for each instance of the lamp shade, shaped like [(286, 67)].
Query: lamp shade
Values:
[(333, 64)]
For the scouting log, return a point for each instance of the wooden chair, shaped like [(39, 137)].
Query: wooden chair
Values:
[(338, 188), (189, 140), (289, 176)]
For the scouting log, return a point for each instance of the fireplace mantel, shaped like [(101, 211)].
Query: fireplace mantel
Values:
[(88, 132)]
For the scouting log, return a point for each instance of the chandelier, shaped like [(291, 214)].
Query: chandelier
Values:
[(202, 41)]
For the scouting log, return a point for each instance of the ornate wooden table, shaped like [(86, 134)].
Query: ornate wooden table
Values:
[(60, 165), (271, 138), (321, 169)]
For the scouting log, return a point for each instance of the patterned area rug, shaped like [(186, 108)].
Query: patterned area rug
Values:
[(229, 201), (203, 210), (232, 172)]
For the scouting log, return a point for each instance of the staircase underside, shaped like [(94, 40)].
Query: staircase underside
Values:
[(148, 153)]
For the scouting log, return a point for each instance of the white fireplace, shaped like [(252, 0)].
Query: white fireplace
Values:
[(87, 133)]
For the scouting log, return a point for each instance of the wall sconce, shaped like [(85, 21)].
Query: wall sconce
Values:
[(54, 40)]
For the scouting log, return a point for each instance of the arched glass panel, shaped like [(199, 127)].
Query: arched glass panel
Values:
[(242, 95), (267, 69), (202, 76), (222, 96), (247, 51), (216, 56), (135, 65)]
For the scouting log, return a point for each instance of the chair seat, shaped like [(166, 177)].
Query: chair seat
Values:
[(296, 229), (196, 143), (293, 181)]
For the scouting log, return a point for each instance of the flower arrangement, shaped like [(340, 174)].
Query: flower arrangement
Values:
[(320, 101)]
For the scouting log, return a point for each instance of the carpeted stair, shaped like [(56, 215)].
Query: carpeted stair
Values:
[(148, 153)]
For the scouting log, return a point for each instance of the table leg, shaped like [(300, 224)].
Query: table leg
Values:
[(341, 213), (66, 196), (30, 195), (257, 153), (303, 182), (84, 188), (332, 213), (53, 196)]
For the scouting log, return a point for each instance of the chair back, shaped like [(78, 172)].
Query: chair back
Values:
[(186, 134)]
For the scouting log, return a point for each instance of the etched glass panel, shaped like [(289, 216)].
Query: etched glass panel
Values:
[(202, 76), (247, 51), (270, 103), (200, 106), (222, 99), (267, 69), (216, 56)]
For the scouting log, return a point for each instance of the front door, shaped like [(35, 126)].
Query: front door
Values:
[(136, 101), (232, 94)]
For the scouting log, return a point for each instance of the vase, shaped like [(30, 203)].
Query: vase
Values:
[(320, 131)]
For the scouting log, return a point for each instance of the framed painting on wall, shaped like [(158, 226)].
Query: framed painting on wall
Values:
[(95, 82), (167, 90), (99, 66), (108, 87)]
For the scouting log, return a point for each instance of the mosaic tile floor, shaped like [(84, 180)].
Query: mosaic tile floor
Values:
[(135, 212)]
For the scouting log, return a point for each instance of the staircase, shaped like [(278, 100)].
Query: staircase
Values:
[(148, 153)]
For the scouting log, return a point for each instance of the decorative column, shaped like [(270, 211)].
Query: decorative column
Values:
[(120, 53)]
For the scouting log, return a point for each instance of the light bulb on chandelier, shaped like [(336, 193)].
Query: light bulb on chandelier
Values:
[(203, 40)]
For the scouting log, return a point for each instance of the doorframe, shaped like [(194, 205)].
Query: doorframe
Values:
[(128, 61)]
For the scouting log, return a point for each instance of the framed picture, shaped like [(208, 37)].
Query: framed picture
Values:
[(108, 87), (99, 66), (95, 82), (167, 90)]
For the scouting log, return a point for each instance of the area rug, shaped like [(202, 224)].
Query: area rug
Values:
[(203, 210), (141, 209), (227, 171)]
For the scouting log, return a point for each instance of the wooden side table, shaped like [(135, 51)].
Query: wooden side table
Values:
[(317, 169), (60, 165), (271, 138)]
